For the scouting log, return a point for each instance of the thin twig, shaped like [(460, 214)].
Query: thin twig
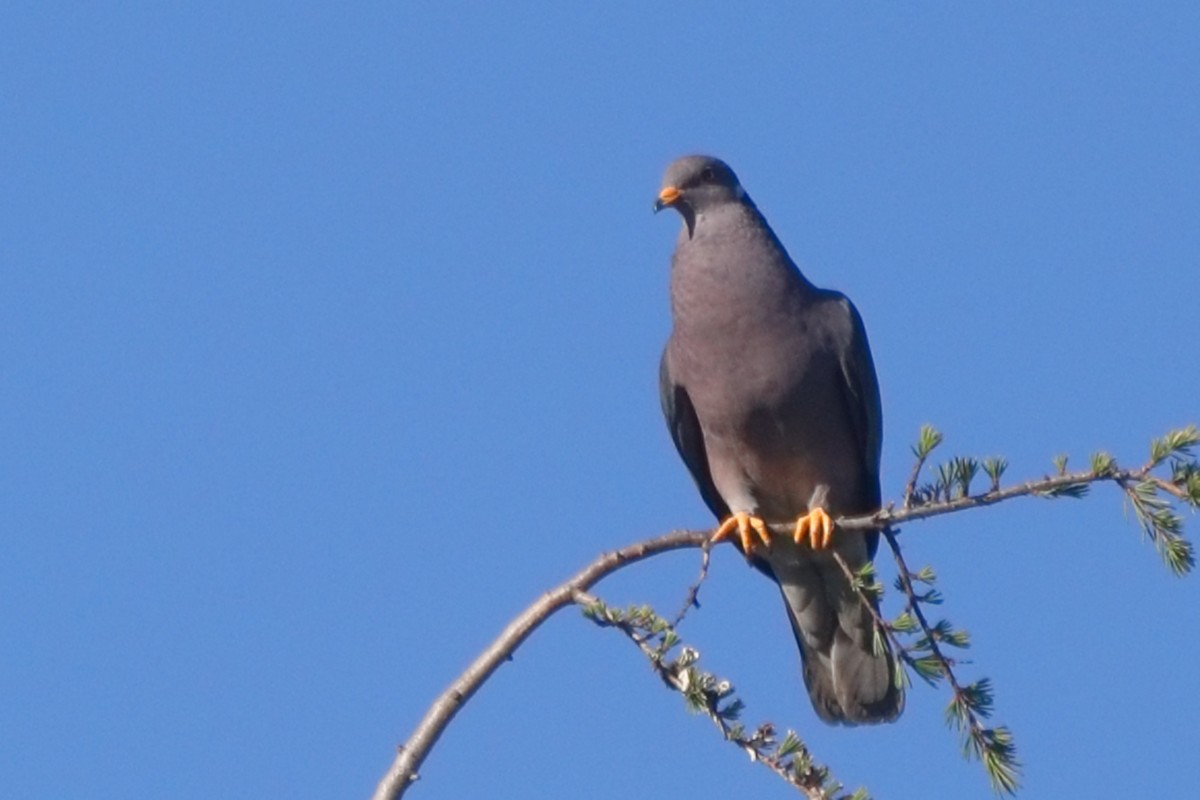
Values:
[(900, 650), (691, 600), (1170, 488), (911, 486), (945, 663), (863, 597)]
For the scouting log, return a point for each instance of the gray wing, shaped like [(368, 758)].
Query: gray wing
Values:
[(864, 409), (688, 437)]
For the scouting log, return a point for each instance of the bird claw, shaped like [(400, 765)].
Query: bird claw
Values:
[(817, 527), (748, 527)]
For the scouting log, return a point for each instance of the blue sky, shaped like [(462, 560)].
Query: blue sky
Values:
[(330, 337)]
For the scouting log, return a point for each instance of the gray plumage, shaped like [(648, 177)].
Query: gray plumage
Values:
[(770, 394)]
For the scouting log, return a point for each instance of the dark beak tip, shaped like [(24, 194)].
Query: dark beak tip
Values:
[(659, 205)]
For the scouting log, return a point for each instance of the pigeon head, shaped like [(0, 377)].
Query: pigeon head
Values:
[(693, 185)]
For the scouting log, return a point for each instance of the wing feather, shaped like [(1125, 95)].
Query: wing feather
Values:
[(685, 430)]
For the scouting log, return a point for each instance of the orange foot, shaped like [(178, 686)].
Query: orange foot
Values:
[(817, 527), (747, 526)]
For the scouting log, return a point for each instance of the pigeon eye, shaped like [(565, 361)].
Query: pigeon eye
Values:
[(708, 174)]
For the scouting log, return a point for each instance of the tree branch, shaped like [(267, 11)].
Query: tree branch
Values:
[(704, 692), (1050, 486), (1141, 488), (412, 754), (968, 705)]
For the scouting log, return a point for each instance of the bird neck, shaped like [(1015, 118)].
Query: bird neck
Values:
[(731, 264)]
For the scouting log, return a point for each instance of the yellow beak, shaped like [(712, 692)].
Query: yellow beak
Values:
[(667, 197)]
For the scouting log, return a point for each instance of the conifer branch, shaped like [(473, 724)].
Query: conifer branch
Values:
[(950, 492), (703, 692), (970, 704), (927, 440)]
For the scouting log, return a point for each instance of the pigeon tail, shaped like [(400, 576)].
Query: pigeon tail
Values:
[(848, 682)]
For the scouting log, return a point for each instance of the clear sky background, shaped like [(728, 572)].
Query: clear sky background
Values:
[(329, 339)]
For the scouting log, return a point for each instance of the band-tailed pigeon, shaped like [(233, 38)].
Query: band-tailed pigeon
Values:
[(770, 395)]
